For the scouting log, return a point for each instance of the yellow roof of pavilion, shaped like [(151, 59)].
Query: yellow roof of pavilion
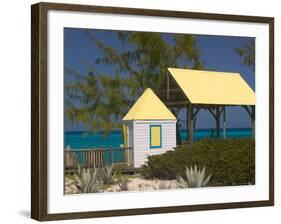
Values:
[(208, 87)]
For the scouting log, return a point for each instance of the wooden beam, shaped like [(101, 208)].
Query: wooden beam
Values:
[(217, 122), (251, 111), (194, 123), (221, 110), (176, 103), (210, 110), (178, 87), (190, 123), (168, 87), (253, 121), (224, 123), (171, 90), (196, 112), (187, 124), (248, 111)]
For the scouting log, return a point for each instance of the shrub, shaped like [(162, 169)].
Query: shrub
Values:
[(231, 161)]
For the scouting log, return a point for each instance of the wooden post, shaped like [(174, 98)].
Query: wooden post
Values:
[(187, 124), (127, 156), (224, 124), (111, 156), (251, 111), (217, 122), (253, 122), (168, 87), (190, 123)]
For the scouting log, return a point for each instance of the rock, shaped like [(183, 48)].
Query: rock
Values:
[(70, 187)]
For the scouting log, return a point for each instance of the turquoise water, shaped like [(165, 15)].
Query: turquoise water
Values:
[(80, 140)]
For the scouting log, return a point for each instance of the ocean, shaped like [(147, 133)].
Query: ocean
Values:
[(80, 140)]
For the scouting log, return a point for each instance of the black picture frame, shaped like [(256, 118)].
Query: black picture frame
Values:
[(39, 106)]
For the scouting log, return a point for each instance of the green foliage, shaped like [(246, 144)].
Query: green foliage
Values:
[(95, 100), (107, 175), (123, 182), (247, 52), (88, 180), (194, 177), (99, 100), (231, 161)]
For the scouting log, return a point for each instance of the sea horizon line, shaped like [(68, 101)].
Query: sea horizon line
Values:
[(181, 130)]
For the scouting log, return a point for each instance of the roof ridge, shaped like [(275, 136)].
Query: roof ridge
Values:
[(209, 71), (148, 106)]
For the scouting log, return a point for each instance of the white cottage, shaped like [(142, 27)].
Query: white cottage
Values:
[(149, 127)]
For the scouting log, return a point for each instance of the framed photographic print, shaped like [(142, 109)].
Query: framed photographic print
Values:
[(138, 111)]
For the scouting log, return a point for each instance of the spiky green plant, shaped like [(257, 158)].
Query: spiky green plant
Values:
[(107, 175), (79, 170), (87, 180), (123, 182), (194, 177)]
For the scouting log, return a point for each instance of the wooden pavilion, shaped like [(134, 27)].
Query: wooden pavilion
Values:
[(212, 91)]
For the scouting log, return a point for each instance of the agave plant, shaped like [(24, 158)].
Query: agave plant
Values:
[(162, 185), (194, 177), (87, 180), (107, 175), (79, 170), (123, 183)]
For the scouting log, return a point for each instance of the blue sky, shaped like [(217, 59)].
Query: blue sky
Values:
[(217, 53)]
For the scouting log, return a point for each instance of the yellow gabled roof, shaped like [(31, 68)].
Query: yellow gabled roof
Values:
[(149, 107), (207, 87)]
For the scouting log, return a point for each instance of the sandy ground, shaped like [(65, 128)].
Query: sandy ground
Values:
[(69, 186), (140, 184), (136, 183)]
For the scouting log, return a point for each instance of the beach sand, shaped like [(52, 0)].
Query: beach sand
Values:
[(136, 183)]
